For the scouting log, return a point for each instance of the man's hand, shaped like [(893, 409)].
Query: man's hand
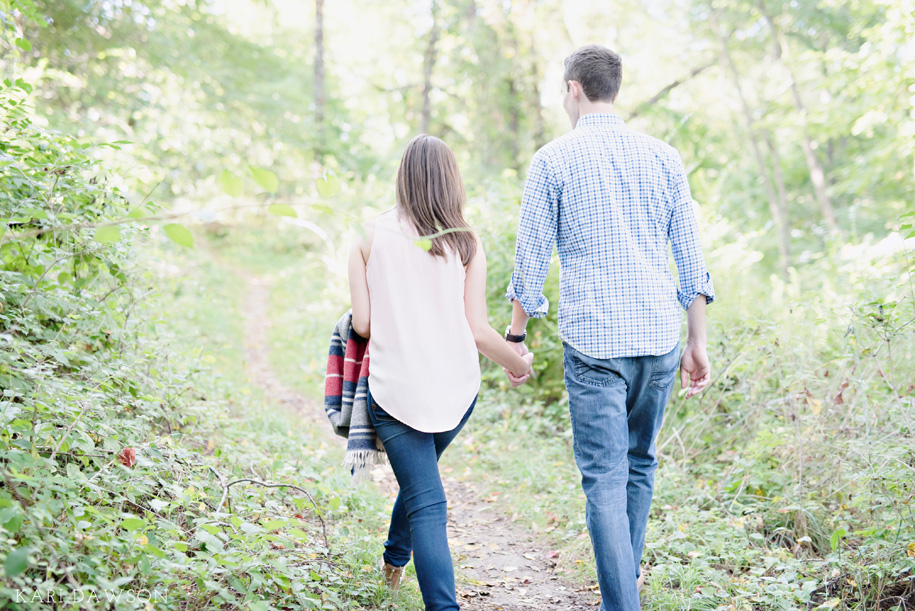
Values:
[(695, 371), (516, 382)]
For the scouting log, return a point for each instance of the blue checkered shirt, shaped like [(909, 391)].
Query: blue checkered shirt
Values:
[(611, 199)]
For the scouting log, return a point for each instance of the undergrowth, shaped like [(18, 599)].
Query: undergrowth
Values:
[(139, 466)]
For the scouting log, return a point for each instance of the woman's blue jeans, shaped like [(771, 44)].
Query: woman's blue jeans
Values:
[(617, 406), (420, 516)]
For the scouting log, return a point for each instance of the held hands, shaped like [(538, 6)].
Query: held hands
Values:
[(695, 371), (522, 350)]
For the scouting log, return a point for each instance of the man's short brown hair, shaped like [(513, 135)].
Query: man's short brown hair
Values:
[(598, 69)]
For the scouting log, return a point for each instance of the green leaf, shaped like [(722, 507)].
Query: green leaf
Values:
[(23, 44), (137, 213), (132, 524), (213, 530), (328, 185), (144, 564), (334, 503), (281, 210), (179, 234), (213, 544), (274, 524), (837, 537), (11, 519), (16, 561), (424, 243), (230, 183), (74, 474), (301, 534), (108, 234), (266, 179), (323, 208), (155, 551)]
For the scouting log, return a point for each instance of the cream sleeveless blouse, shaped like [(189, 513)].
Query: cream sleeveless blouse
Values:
[(425, 370)]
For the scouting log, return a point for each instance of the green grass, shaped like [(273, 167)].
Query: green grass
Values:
[(258, 437), (86, 529), (787, 485)]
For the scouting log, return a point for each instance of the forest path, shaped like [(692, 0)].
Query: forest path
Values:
[(498, 566)]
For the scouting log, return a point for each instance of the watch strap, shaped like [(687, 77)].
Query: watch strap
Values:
[(515, 339)]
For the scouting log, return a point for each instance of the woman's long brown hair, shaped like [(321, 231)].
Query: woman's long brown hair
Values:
[(430, 193)]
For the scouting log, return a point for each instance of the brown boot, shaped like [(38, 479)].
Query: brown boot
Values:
[(392, 575)]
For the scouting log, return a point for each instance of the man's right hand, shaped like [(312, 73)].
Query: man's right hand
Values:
[(695, 370)]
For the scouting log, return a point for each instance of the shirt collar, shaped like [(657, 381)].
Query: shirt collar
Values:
[(600, 118)]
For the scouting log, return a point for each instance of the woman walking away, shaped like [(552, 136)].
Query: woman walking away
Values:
[(423, 308)]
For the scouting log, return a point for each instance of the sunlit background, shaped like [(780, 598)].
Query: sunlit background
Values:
[(215, 149)]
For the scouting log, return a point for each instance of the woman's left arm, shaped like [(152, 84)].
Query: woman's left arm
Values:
[(359, 289)]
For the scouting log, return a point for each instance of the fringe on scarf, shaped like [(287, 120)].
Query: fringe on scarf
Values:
[(360, 462)]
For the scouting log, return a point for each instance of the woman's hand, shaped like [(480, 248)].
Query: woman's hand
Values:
[(518, 381)]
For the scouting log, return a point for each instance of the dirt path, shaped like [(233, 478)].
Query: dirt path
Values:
[(498, 565)]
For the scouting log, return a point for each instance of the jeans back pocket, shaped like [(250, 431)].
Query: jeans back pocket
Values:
[(593, 372)]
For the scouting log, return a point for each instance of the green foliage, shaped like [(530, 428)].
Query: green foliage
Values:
[(493, 213), (230, 183), (328, 184), (119, 440), (787, 484), (266, 179), (179, 234)]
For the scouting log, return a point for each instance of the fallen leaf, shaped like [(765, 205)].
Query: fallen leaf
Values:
[(128, 457)]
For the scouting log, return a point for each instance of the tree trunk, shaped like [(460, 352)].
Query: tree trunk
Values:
[(784, 234), (428, 65), (536, 104), (319, 88), (817, 175), (514, 105), (778, 207)]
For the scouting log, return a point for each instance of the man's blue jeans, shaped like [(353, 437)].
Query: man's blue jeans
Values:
[(420, 515), (617, 406)]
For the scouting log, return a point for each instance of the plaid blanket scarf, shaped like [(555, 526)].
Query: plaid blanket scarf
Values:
[(345, 398)]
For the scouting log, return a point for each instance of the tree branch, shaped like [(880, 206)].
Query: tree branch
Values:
[(225, 493), (656, 97)]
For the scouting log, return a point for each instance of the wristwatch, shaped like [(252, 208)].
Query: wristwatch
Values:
[(515, 339)]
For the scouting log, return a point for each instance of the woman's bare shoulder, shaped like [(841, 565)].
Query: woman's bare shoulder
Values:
[(366, 232)]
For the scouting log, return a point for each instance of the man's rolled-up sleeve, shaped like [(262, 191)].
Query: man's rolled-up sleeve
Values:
[(536, 236), (684, 239)]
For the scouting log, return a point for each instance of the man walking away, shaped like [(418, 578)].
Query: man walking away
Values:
[(611, 199)]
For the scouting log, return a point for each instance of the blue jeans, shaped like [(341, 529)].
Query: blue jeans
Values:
[(617, 406), (420, 516)]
